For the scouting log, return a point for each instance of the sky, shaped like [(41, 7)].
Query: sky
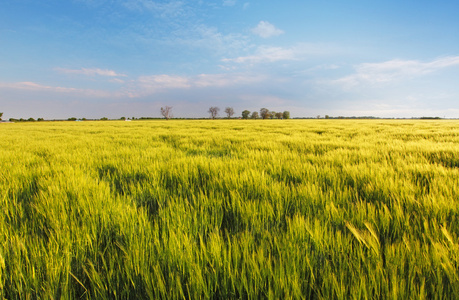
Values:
[(114, 58)]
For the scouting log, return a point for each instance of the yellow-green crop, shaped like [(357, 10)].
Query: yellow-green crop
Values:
[(314, 209)]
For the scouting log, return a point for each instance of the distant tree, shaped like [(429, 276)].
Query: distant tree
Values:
[(166, 112), (123, 118), (245, 114), (272, 114), (327, 117), (264, 113), (213, 111), (31, 120), (279, 115), (286, 115), (229, 112), (318, 117), (254, 115), (1, 114), (104, 119), (72, 119), (40, 119)]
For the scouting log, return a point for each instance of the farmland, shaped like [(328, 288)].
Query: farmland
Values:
[(316, 209)]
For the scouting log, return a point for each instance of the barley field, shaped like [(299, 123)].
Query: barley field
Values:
[(230, 209)]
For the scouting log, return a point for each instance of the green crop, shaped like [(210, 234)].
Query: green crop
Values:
[(229, 209)]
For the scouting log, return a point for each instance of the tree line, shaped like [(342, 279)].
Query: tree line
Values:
[(213, 111)]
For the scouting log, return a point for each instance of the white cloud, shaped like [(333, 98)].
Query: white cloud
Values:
[(90, 72), (374, 73), (266, 30)]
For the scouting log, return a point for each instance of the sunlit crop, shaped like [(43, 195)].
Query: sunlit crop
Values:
[(321, 209)]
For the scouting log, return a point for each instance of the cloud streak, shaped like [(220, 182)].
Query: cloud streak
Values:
[(36, 87), (393, 70), (90, 72), (266, 54), (269, 54), (152, 84), (148, 85)]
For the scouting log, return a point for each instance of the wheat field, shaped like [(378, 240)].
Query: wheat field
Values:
[(230, 209)]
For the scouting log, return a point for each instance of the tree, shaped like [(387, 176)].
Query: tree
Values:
[(245, 114), (255, 115), (264, 113), (272, 114), (286, 115), (279, 115), (213, 111), (229, 112), (166, 112), (1, 114)]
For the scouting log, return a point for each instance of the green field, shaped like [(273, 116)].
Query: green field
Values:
[(278, 209)]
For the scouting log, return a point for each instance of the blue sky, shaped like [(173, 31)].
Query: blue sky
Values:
[(113, 58)]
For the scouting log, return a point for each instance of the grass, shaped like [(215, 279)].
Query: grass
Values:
[(313, 209)]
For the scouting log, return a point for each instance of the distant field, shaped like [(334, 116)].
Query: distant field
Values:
[(315, 209)]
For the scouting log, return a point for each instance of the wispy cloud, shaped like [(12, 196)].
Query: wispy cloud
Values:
[(266, 30), (36, 87), (203, 37), (229, 2), (374, 73), (145, 85), (32, 86), (154, 83), (301, 51), (225, 80), (91, 72), (266, 54), (165, 10)]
